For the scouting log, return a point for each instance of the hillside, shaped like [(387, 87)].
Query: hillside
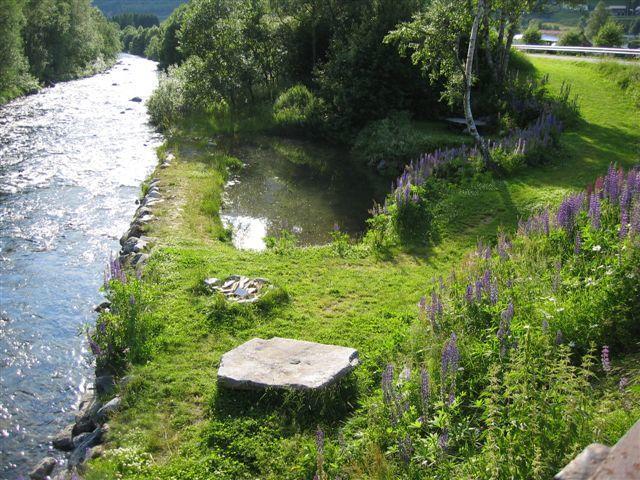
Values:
[(161, 8)]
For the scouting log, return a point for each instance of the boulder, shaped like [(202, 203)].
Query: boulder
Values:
[(106, 305), (85, 418), (583, 466), (130, 245), (43, 469), (105, 384), (109, 408), (283, 363), (84, 443), (135, 99), (64, 439), (139, 259)]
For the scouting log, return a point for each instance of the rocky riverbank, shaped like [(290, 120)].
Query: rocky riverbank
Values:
[(82, 440)]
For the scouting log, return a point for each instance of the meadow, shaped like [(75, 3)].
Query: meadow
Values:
[(445, 374)]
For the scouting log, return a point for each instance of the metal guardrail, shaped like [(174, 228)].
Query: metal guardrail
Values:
[(634, 52)]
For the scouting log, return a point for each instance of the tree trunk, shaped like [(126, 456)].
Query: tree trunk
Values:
[(468, 114), (507, 48)]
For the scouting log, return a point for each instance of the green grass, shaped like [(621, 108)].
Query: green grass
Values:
[(174, 411)]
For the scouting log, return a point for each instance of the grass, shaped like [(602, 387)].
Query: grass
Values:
[(177, 424)]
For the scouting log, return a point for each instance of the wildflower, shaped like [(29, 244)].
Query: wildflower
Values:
[(405, 449), (635, 217), (606, 362), (623, 384), (468, 295), (624, 225), (594, 211), (443, 440), (93, 345), (577, 244), (596, 248), (559, 337), (493, 293), (450, 357), (505, 327), (102, 327), (425, 389), (405, 375), (320, 440), (387, 384)]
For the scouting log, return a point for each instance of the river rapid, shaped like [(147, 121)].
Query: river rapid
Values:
[(72, 159)]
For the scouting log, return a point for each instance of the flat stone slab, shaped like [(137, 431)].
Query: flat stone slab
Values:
[(283, 363)]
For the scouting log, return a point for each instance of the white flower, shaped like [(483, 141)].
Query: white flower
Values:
[(596, 248)]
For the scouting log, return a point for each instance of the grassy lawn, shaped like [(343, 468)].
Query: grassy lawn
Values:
[(174, 411)]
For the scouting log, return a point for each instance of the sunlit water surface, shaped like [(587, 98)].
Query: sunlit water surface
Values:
[(71, 162)]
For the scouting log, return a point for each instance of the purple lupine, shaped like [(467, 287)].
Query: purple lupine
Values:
[(478, 291), (443, 439), (405, 449), (493, 292), (504, 245), (450, 357), (320, 440), (93, 345), (577, 244), (102, 327), (606, 362), (425, 389), (623, 384), (594, 211), (486, 281), (635, 217), (468, 294), (505, 328), (559, 337), (624, 224), (388, 394), (611, 183)]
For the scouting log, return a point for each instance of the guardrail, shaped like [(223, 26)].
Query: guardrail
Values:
[(634, 52)]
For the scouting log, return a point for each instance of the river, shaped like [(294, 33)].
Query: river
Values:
[(72, 159)]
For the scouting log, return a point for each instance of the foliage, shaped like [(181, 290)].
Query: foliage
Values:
[(609, 35), (160, 8), (142, 41), (297, 109), (532, 35), (282, 243), (627, 77), (167, 104), (573, 38), (597, 19), (144, 20)]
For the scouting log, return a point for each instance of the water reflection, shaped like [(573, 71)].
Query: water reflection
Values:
[(71, 161)]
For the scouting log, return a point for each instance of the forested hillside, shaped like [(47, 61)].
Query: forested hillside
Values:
[(46, 41), (161, 8)]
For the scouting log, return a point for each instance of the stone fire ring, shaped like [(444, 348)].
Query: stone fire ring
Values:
[(283, 363)]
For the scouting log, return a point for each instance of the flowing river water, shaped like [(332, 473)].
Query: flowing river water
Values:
[(72, 159)]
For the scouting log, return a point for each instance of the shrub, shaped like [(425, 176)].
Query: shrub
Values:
[(167, 104), (296, 109), (573, 38), (610, 35), (389, 143), (532, 35)]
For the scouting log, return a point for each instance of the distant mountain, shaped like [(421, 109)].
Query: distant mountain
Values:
[(161, 8)]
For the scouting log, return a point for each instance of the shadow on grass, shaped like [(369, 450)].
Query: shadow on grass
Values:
[(296, 410)]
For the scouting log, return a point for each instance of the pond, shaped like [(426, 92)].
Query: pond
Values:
[(299, 186)]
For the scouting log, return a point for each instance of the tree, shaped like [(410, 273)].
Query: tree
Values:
[(610, 35), (13, 64), (597, 19), (573, 38), (532, 35)]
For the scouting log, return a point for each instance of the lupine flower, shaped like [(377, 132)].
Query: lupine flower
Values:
[(504, 245), (93, 345), (623, 384), (320, 440), (425, 389), (559, 337), (405, 375), (443, 440), (624, 224), (594, 211), (635, 218), (479, 290), (493, 293), (468, 294), (405, 449), (606, 363), (486, 281), (450, 357), (545, 326), (577, 244), (387, 384), (102, 327), (505, 327)]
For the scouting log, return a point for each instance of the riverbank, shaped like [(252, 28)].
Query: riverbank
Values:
[(176, 423)]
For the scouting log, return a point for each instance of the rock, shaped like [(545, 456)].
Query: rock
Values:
[(43, 469), (80, 439), (105, 384), (145, 219), (136, 99), (87, 441), (153, 195), (139, 259), (109, 408), (623, 461), (583, 466), (142, 211), (129, 245), (94, 452), (169, 158), (285, 363), (64, 439), (124, 381), (85, 419), (212, 282), (106, 305)]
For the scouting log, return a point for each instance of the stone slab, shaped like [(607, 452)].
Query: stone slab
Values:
[(283, 363)]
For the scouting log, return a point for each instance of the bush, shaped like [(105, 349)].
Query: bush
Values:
[(390, 143), (532, 35), (610, 35), (296, 109), (573, 38), (167, 105)]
